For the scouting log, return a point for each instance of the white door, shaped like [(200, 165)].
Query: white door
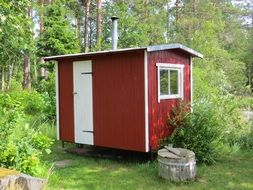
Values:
[(83, 112)]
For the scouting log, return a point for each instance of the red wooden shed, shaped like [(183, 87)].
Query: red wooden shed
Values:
[(121, 98)]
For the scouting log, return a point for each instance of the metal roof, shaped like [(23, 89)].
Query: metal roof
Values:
[(149, 49), (175, 46)]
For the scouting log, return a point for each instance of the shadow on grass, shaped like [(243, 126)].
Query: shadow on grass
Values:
[(111, 154)]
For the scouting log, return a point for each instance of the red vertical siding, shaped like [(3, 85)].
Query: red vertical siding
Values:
[(158, 111), (118, 100), (66, 104)]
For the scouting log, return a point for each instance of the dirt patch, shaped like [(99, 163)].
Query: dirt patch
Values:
[(108, 153), (63, 163)]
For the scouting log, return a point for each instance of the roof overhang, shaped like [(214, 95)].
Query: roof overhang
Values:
[(149, 49), (175, 46)]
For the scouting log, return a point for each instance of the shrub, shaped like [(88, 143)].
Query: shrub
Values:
[(214, 124), (23, 144), (245, 141), (241, 137), (47, 90), (33, 105), (197, 131)]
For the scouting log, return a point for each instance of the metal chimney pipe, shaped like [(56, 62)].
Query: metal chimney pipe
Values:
[(114, 32)]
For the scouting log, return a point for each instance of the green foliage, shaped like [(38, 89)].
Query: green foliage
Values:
[(23, 144), (214, 124), (46, 88), (29, 104), (15, 34), (58, 37), (245, 103), (141, 23), (22, 148), (198, 131), (243, 140), (215, 30)]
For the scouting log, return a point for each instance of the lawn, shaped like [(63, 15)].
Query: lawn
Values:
[(234, 171)]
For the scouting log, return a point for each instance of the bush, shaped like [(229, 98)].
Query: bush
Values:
[(197, 131), (23, 144), (33, 105), (22, 147), (214, 124), (245, 141), (241, 137), (47, 90)]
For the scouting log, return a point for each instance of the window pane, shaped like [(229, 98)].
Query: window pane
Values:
[(173, 82), (164, 90)]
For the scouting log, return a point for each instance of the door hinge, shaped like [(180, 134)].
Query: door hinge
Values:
[(86, 73), (88, 131)]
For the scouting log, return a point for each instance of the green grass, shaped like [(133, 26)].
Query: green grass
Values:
[(230, 172), (244, 102)]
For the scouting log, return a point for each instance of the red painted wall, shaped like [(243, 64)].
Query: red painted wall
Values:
[(118, 100), (66, 104), (158, 111)]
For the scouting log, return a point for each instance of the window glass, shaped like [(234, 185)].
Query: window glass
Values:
[(173, 83), (164, 82)]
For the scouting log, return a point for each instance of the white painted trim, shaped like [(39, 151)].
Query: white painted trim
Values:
[(146, 101), (182, 83), (191, 82), (158, 83), (57, 101), (169, 66)]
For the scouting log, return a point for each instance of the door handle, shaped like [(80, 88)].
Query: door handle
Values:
[(74, 93)]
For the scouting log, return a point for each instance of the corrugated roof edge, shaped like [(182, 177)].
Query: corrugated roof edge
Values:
[(149, 49)]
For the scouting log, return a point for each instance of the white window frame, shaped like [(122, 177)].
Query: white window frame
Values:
[(169, 66)]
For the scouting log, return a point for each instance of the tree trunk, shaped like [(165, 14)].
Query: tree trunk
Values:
[(99, 23), (86, 26), (42, 3), (78, 21), (194, 4), (2, 80), (9, 76), (26, 81)]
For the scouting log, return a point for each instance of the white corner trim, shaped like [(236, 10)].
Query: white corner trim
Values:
[(169, 66), (57, 101), (146, 101), (191, 75), (158, 83)]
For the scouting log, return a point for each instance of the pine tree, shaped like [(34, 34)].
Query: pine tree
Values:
[(58, 37)]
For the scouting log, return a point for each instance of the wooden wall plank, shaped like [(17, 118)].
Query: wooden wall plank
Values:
[(158, 112)]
